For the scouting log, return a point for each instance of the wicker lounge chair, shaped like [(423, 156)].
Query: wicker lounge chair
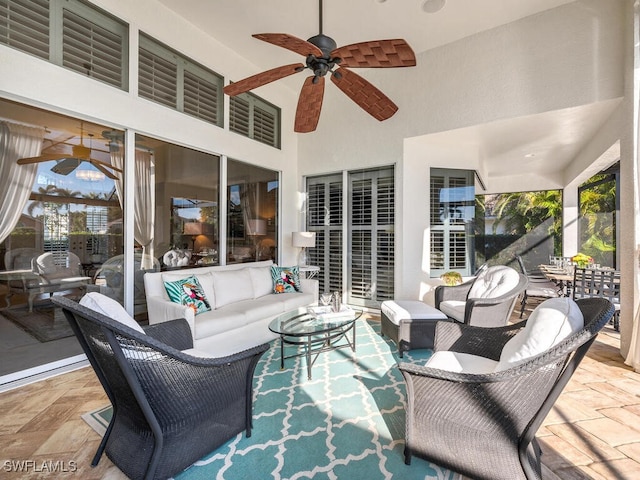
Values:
[(170, 408), (483, 425), (485, 301)]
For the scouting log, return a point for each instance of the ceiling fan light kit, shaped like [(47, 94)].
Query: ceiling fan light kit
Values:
[(323, 57)]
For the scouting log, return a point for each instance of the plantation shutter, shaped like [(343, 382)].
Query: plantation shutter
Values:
[(252, 117), (24, 25), (201, 96), (92, 50), (157, 78), (239, 113), (324, 216)]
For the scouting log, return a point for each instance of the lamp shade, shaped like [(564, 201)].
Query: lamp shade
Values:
[(256, 226), (303, 239), (192, 228)]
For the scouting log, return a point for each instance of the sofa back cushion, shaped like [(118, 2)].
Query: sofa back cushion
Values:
[(493, 282), (550, 323), (232, 286), (261, 280)]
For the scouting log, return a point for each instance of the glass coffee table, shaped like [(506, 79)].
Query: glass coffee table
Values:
[(316, 333)]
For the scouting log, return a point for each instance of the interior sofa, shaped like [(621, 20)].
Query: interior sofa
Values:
[(241, 299)]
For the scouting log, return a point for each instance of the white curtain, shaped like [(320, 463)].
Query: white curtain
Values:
[(16, 181), (633, 356), (144, 199)]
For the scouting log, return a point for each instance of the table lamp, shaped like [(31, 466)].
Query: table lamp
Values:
[(303, 240)]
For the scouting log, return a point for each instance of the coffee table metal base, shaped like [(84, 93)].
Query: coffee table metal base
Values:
[(315, 344)]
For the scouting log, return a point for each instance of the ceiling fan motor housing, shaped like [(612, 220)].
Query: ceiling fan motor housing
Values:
[(320, 66)]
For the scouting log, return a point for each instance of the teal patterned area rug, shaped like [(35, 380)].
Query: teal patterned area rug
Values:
[(346, 423)]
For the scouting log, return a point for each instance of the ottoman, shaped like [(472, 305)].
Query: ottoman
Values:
[(411, 324)]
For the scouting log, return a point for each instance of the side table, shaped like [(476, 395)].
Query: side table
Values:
[(309, 271)]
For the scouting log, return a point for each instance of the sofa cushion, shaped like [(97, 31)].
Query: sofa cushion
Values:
[(189, 292), (285, 279), (232, 286), (550, 323), (461, 362), (109, 307), (205, 279), (493, 282), (261, 280), (218, 321)]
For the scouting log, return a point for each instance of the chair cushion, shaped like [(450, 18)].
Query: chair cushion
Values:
[(397, 310), (550, 323), (493, 282), (453, 309), (109, 307), (461, 362)]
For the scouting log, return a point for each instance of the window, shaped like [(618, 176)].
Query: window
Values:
[(253, 117), (452, 210), (168, 78), (69, 33)]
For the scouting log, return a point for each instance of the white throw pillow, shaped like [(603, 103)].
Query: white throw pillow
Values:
[(550, 323), (109, 307), (261, 280), (461, 362), (232, 286)]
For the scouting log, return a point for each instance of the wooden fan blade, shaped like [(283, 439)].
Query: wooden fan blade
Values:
[(263, 78), (95, 162), (290, 42), (41, 158), (370, 99), (104, 170), (376, 54), (309, 105)]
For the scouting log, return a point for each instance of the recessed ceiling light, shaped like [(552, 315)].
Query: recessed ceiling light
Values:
[(530, 155), (433, 6)]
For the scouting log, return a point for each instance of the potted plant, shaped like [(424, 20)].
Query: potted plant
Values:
[(451, 278), (581, 260)]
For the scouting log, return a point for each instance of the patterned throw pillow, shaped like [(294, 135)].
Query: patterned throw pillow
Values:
[(285, 279), (189, 292)]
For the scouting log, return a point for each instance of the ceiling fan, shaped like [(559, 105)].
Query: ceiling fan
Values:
[(68, 163), (322, 56)]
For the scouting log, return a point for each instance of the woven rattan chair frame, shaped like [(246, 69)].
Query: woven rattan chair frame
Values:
[(484, 426), (169, 408), (482, 312)]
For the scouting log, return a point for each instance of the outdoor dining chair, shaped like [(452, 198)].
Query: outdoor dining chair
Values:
[(598, 282), (539, 286)]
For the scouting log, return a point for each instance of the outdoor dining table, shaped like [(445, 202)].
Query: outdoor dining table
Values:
[(562, 276)]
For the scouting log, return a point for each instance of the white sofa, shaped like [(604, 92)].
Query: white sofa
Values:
[(241, 299)]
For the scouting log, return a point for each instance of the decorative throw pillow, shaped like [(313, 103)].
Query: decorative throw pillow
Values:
[(189, 292), (285, 279)]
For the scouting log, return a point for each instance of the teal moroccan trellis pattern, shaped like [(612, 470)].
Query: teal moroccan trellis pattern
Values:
[(347, 423)]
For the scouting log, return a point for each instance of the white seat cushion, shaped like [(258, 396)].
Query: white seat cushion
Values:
[(454, 309), (461, 362), (493, 282), (550, 323), (397, 310), (109, 307)]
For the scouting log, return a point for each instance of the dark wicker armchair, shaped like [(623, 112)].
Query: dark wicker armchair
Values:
[(169, 408), (483, 425), (485, 301)]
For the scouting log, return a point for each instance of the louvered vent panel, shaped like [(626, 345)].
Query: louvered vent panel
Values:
[(361, 279), (385, 266), (157, 78), (239, 116), (24, 25), (92, 50), (200, 97), (264, 126), (437, 184), (385, 199), (361, 202), (437, 250), (457, 250), (316, 205)]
